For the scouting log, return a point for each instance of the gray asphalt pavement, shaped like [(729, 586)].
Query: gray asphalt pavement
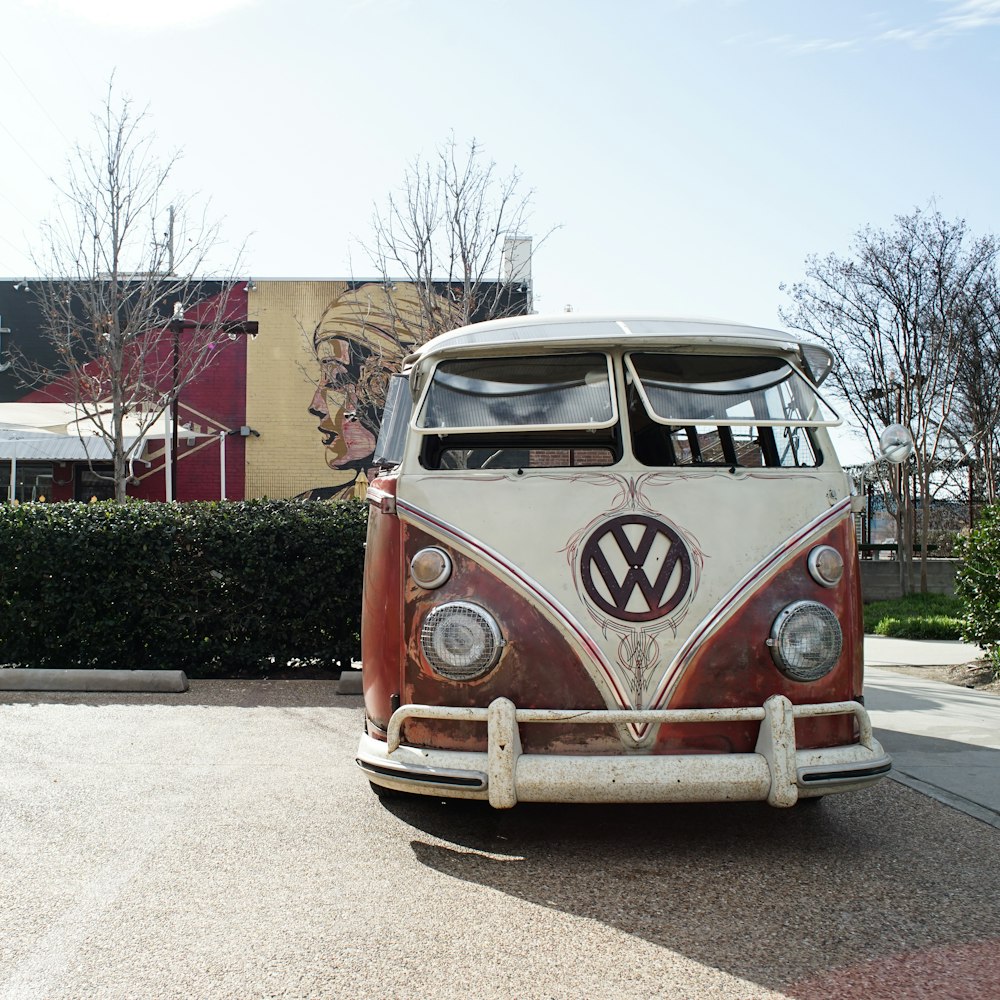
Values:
[(221, 844), (944, 740)]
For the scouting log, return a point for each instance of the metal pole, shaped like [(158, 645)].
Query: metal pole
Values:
[(971, 514), (174, 405), (170, 243), (868, 515), (168, 483), (222, 465)]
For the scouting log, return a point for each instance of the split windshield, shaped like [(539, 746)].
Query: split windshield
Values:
[(560, 410)]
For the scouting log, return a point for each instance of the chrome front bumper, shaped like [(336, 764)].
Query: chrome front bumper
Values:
[(776, 772)]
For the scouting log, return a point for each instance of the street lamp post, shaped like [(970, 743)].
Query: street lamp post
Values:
[(176, 326)]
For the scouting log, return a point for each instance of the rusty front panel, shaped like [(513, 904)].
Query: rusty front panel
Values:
[(540, 669), (734, 666), (853, 620), (381, 609), (537, 669)]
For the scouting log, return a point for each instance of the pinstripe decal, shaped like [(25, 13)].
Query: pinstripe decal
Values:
[(765, 570), (534, 590)]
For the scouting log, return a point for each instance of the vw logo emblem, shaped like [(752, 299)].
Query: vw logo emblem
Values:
[(635, 568)]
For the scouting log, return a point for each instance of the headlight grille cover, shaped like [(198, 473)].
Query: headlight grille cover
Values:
[(806, 641), (460, 640)]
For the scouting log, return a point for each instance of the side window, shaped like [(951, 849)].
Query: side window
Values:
[(395, 419), (4, 346)]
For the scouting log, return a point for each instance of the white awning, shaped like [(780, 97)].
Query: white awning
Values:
[(67, 419), (58, 448), (61, 432), (52, 417)]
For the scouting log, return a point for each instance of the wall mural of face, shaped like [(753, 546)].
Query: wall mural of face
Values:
[(348, 430), (359, 341)]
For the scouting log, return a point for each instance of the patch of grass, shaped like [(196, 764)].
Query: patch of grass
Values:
[(917, 616)]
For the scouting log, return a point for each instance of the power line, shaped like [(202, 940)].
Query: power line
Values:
[(17, 143), (31, 94), (17, 208), (13, 246), (13, 272)]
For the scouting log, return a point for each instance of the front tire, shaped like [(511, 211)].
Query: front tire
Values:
[(385, 794)]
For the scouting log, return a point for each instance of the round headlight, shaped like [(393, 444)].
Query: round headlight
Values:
[(460, 640), (806, 641), (826, 565), (430, 568)]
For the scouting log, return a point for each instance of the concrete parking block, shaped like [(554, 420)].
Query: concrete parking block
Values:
[(350, 682), (40, 679)]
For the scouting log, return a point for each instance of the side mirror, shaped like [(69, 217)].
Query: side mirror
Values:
[(895, 443)]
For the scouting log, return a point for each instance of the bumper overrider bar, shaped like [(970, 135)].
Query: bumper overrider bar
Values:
[(776, 772)]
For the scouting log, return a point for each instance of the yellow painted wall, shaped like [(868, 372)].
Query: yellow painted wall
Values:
[(282, 374)]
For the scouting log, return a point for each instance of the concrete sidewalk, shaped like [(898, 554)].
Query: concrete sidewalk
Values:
[(882, 651), (944, 739)]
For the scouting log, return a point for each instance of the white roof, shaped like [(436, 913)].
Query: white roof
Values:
[(57, 448), (572, 327), (574, 331)]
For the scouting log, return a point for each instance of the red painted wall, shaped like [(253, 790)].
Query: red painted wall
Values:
[(214, 401)]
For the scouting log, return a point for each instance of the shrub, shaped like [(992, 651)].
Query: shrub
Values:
[(977, 583), (916, 616), (923, 627), (209, 588)]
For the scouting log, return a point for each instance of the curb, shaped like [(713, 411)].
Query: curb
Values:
[(350, 682), (953, 799), (41, 679)]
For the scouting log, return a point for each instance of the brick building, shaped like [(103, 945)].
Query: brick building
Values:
[(286, 407)]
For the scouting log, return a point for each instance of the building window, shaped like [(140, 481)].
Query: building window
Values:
[(33, 480), (96, 482)]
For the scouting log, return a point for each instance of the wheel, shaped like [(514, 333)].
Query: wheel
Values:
[(385, 794), (812, 802)]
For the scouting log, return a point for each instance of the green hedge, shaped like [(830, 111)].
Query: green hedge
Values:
[(977, 583), (209, 588)]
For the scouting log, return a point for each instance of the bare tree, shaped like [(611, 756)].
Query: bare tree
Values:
[(127, 318), (446, 233), (898, 313), (976, 418)]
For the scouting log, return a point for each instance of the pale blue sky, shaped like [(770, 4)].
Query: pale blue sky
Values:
[(693, 153)]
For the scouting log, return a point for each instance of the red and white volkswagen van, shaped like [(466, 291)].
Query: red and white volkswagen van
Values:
[(613, 560)]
